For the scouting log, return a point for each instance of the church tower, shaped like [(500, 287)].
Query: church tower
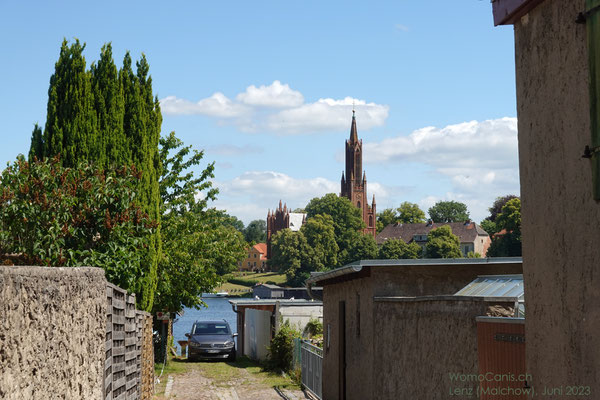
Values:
[(354, 180)]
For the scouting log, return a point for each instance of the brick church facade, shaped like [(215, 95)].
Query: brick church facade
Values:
[(354, 181)]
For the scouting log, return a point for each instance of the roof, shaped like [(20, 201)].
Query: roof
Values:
[(467, 232), (268, 285), (296, 220), (507, 12), (270, 302), (261, 247), (357, 266), (495, 286)]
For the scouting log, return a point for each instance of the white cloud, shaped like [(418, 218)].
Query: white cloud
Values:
[(274, 95), (234, 150), (218, 105), (401, 27), (327, 115), (480, 160), (279, 109)]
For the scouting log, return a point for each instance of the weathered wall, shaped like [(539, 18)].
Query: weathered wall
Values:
[(52, 331), (146, 355), (561, 233), (420, 342), (433, 280), (358, 297)]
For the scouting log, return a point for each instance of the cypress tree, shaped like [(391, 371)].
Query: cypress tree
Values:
[(71, 119), (37, 144), (109, 104)]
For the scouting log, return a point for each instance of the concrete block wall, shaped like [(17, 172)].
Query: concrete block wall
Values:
[(52, 332)]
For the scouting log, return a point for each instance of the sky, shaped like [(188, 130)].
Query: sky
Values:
[(266, 89)]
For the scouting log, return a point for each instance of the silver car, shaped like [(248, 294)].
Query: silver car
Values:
[(211, 340)]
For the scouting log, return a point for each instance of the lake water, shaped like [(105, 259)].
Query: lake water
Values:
[(218, 308)]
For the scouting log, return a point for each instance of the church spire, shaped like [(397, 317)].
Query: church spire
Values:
[(353, 133)]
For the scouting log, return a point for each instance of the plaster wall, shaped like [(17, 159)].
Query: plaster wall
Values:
[(432, 280), (299, 316), (358, 297), (421, 342), (560, 219), (52, 333)]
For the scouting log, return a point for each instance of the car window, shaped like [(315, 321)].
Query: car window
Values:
[(210, 329)]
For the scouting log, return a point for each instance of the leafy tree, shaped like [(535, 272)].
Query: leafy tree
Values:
[(449, 211), (410, 213), (198, 243), (256, 231), (322, 248), (289, 251), (347, 220), (360, 247), (232, 221), (442, 243), (386, 217), (508, 244), (489, 226), (72, 217), (345, 216), (398, 249), (496, 208)]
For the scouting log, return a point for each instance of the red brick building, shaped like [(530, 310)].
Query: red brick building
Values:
[(354, 181), (282, 218)]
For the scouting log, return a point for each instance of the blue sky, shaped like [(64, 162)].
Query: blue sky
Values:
[(266, 88)]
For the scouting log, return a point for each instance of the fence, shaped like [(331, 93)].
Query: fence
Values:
[(312, 366), (127, 330)]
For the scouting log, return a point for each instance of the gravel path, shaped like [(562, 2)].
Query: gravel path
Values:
[(194, 385)]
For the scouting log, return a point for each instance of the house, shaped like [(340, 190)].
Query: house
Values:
[(268, 291), (557, 70), (256, 260), (372, 307), (258, 320), (471, 236)]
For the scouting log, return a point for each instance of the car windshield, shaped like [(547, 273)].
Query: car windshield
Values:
[(210, 328)]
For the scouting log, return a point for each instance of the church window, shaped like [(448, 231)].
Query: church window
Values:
[(358, 204), (370, 220)]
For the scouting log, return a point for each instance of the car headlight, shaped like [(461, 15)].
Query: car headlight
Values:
[(194, 344), (229, 344)]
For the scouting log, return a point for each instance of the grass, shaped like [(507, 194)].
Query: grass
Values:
[(264, 277), (223, 373)]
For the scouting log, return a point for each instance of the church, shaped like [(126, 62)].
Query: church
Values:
[(354, 181), (353, 187)]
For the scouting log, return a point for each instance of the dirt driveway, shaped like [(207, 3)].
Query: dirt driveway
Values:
[(242, 380)]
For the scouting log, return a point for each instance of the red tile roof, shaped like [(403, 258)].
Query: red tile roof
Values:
[(261, 247)]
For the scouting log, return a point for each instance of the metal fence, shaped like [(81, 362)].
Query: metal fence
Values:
[(312, 366)]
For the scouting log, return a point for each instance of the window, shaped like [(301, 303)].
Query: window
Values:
[(254, 255)]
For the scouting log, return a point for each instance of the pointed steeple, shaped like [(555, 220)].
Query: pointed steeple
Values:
[(353, 132), (280, 205), (364, 177), (343, 178), (373, 199)]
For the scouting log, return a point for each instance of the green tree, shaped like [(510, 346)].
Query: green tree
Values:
[(37, 144), (322, 248), (448, 211), (386, 217), (71, 217), (499, 203), (489, 226), (398, 249), (410, 213), (360, 247), (508, 244), (198, 245), (289, 251), (256, 231), (233, 221), (442, 243)]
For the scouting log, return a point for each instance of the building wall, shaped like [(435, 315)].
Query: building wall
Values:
[(358, 297), (420, 342), (433, 280), (300, 316), (52, 332), (254, 257), (560, 226)]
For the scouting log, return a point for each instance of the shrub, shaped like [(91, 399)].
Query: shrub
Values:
[(313, 328), (281, 350)]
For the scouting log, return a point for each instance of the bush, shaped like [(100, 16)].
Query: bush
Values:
[(281, 350), (313, 328), (243, 282)]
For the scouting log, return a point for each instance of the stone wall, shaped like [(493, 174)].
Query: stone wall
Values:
[(52, 332), (561, 233)]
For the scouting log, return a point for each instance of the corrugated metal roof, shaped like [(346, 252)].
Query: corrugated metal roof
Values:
[(495, 286)]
